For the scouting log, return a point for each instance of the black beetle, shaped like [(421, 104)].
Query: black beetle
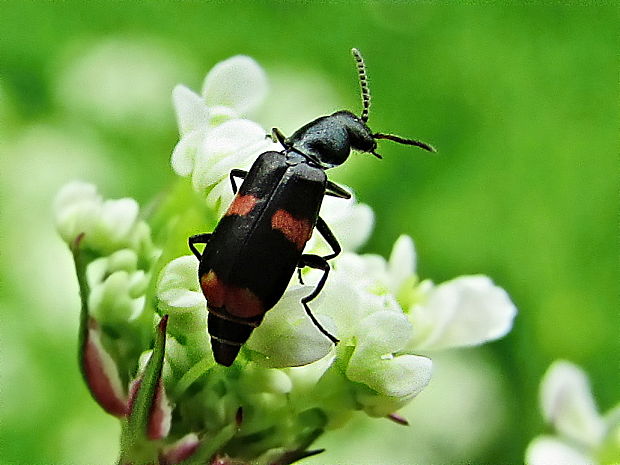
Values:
[(254, 250)]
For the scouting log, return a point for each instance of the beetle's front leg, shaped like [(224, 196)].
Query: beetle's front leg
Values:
[(318, 263), (334, 190)]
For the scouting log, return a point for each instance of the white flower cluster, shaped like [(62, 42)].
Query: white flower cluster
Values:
[(361, 305), (117, 287), (384, 319), (118, 243), (583, 435), (215, 138), (107, 226)]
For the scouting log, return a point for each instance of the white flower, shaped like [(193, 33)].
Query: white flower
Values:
[(383, 317), (377, 363), (179, 296), (287, 337), (107, 225), (214, 136), (466, 311), (237, 85), (178, 289), (567, 404), (76, 209), (117, 287), (370, 321), (232, 144)]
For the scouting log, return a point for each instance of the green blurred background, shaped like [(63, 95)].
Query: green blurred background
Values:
[(521, 101)]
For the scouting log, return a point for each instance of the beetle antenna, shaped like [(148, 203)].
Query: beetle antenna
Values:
[(361, 71), (404, 141)]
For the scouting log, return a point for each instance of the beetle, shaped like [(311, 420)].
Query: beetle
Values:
[(250, 257)]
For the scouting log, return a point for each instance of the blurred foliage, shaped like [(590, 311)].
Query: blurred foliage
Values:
[(521, 102)]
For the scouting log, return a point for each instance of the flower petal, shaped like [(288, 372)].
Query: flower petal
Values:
[(378, 337), (184, 152), (341, 301), (400, 376), (567, 403), (177, 289), (287, 337), (383, 332), (238, 82), (111, 303), (115, 224), (180, 450), (75, 192), (191, 110), (76, 209), (546, 450), (466, 311), (224, 147), (402, 263), (350, 221), (101, 374)]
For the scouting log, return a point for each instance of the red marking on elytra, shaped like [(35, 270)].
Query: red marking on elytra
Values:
[(298, 231), (242, 302), (213, 289), (242, 205), (238, 301)]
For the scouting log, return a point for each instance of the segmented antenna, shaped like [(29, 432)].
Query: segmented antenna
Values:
[(361, 71), (402, 140)]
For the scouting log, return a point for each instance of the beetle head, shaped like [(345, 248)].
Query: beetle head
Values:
[(328, 141)]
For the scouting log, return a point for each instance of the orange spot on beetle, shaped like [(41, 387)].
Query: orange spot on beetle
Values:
[(213, 289), (297, 231), (238, 301), (243, 303), (242, 205)]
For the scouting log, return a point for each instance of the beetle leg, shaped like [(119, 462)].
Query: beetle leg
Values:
[(335, 190), (318, 263), (299, 277), (329, 237), (198, 239), (236, 173)]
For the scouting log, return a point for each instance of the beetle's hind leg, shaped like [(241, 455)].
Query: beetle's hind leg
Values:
[(318, 263), (198, 239)]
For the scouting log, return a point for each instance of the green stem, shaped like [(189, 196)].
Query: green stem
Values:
[(80, 261), (136, 446)]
